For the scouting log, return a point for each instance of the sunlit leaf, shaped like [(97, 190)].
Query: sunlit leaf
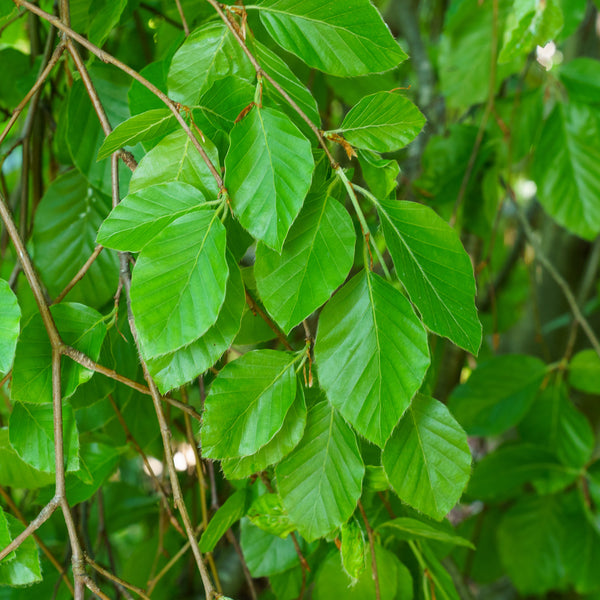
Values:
[(10, 317)]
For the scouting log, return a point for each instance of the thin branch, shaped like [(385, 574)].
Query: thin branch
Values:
[(79, 275), (256, 309), (261, 73), (372, 548), (122, 583), (186, 29), (108, 58), (91, 585), (553, 272)]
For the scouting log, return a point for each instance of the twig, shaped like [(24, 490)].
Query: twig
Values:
[(553, 272), (256, 309), (108, 58), (79, 275), (372, 548), (186, 29), (105, 573), (91, 585)]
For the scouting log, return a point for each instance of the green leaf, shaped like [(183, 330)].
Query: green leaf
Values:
[(5, 537), (372, 354), (427, 459), (553, 422), (405, 528), (176, 159), (531, 23), (173, 370), (208, 54), (64, 237), (285, 77), (267, 554), (145, 126), (247, 404), (435, 270), (502, 473), (284, 441), (346, 39), (531, 541), (80, 327), (141, 215), (332, 582), (10, 317), (352, 550), (382, 122), (315, 260), (567, 172), (16, 473), (379, 173), (584, 372), (581, 77), (498, 393), (268, 172), (231, 512), (178, 283), (25, 568), (105, 15), (441, 581), (31, 434), (268, 513), (320, 480)]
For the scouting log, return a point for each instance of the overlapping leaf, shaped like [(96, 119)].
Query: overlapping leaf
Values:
[(141, 215), (79, 326), (584, 372), (64, 237), (25, 567), (435, 270), (382, 122), (268, 172), (372, 355), (247, 404), (145, 126), (567, 172), (231, 512), (284, 441), (31, 434), (176, 159), (178, 283), (427, 459), (10, 317), (315, 260), (208, 54), (406, 528), (345, 39), (173, 370), (321, 480)]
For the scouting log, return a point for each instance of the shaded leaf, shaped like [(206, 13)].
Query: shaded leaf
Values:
[(5, 537), (247, 404), (178, 283), (435, 270), (31, 434), (372, 354), (316, 258), (427, 459), (268, 513), (406, 528), (352, 550), (320, 480), (382, 122), (498, 393), (10, 317), (80, 327), (584, 372), (16, 473), (142, 215), (379, 173), (231, 512), (268, 171), (346, 39)]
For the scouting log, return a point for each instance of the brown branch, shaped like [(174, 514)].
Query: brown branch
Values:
[(186, 29), (93, 587), (120, 582), (79, 275), (256, 309), (372, 549), (261, 73), (108, 58)]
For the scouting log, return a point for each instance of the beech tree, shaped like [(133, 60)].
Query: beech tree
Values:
[(285, 313)]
